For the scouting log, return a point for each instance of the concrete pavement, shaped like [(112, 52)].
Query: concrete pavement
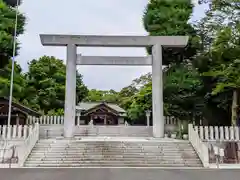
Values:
[(117, 174)]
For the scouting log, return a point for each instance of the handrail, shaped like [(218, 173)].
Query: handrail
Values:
[(25, 149), (198, 145)]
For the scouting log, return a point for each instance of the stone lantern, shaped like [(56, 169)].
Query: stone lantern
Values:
[(148, 114)]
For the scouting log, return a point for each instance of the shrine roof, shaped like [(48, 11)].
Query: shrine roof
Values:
[(89, 105), (19, 107)]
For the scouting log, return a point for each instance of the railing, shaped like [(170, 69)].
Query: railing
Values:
[(25, 149), (59, 120), (198, 145), (15, 131), (222, 133), (48, 120)]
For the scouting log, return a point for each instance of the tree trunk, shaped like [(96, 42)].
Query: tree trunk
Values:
[(234, 107)]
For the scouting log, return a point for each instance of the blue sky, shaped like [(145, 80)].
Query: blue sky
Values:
[(96, 17)]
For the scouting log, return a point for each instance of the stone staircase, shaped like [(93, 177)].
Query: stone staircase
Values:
[(79, 153)]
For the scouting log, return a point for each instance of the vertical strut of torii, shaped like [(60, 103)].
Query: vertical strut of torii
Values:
[(73, 59)]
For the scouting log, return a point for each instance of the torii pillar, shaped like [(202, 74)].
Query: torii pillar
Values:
[(72, 41), (70, 91)]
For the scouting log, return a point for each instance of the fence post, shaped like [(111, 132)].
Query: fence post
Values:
[(9, 132), (237, 131), (221, 133), (24, 131), (14, 131), (216, 132), (226, 132), (19, 131), (206, 133), (231, 133), (211, 133), (78, 120)]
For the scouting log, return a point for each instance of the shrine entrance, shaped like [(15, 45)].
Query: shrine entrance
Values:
[(104, 120), (74, 59)]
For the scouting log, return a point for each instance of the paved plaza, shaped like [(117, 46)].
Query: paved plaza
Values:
[(118, 174)]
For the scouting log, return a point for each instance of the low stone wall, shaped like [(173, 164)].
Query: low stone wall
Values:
[(50, 131), (124, 131)]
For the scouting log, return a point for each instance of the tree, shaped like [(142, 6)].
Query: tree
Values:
[(46, 84), (12, 3), (94, 95), (225, 53), (7, 25), (171, 18), (182, 86), (181, 94), (216, 46), (19, 82)]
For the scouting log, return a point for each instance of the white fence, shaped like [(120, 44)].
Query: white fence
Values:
[(59, 120), (48, 120), (15, 132), (199, 146), (222, 133), (14, 155), (26, 148)]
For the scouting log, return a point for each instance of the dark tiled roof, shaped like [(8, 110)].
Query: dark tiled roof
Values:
[(20, 107)]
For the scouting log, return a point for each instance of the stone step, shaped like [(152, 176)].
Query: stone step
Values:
[(115, 160), (112, 164), (110, 151), (111, 142), (124, 156), (117, 143), (78, 153), (113, 154), (114, 143), (90, 158), (116, 147)]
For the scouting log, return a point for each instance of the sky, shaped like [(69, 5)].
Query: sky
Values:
[(87, 17)]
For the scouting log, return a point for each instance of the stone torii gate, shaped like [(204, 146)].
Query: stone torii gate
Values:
[(72, 41)]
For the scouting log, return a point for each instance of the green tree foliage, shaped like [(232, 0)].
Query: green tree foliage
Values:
[(7, 25), (46, 84), (181, 92), (94, 95), (218, 32), (225, 55), (19, 82), (169, 18), (181, 80)]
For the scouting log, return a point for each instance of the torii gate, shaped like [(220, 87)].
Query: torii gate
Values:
[(73, 59)]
